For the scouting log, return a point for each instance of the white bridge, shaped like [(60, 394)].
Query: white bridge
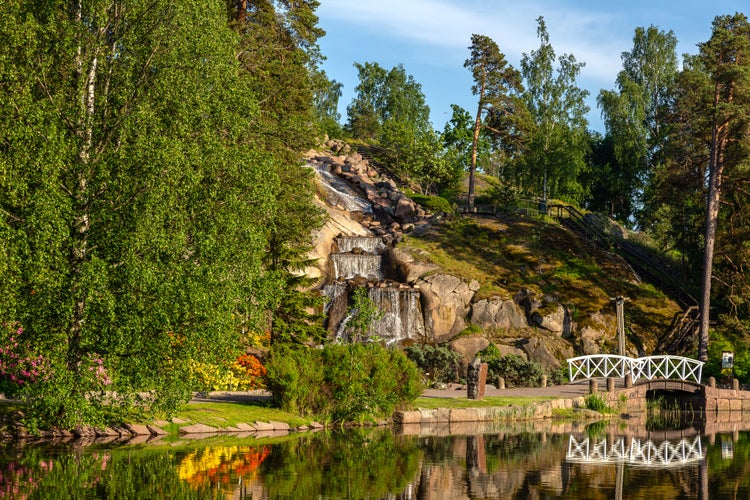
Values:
[(640, 453), (648, 367)]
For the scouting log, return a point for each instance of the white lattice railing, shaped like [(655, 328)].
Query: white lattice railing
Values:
[(599, 365), (648, 367), (641, 453)]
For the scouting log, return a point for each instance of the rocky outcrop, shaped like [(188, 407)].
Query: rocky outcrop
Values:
[(498, 315), (445, 301), (468, 347), (360, 201), (408, 267)]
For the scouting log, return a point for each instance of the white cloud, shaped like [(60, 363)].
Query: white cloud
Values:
[(447, 27)]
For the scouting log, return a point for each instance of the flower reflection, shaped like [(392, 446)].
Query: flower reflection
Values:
[(223, 465)]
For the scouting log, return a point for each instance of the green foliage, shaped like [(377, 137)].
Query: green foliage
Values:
[(501, 114), (435, 204), (596, 402), (516, 371), (438, 363), (153, 206), (556, 148), (729, 336), (360, 315), (342, 383)]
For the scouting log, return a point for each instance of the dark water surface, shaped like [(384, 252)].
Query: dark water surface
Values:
[(599, 461)]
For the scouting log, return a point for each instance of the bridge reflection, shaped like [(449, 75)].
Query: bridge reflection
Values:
[(636, 452)]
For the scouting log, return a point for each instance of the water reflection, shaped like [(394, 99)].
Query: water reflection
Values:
[(491, 462), (635, 451)]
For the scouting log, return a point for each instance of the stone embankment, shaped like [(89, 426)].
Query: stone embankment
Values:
[(531, 411)]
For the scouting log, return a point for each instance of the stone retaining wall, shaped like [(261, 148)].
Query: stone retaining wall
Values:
[(487, 414)]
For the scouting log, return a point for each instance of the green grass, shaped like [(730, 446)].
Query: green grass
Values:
[(227, 414), (449, 403)]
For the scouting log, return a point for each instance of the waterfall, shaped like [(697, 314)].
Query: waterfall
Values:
[(346, 266), (362, 261), (366, 243), (402, 314), (339, 192)]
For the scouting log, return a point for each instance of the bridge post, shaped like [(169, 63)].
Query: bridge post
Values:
[(712, 382), (735, 384), (593, 386), (610, 384), (628, 380)]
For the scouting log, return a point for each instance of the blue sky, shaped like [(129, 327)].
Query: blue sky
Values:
[(431, 38)]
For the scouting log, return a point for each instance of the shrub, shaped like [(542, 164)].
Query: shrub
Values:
[(18, 367), (433, 203), (516, 371), (249, 373), (349, 382), (439, 364)]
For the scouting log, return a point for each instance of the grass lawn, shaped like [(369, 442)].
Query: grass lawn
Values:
[(433, 403), (226, 414)]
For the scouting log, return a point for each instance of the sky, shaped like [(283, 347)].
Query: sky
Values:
[(430, 38)]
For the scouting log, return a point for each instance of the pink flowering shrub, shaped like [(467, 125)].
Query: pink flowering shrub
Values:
[(99, 371), (19, 367)]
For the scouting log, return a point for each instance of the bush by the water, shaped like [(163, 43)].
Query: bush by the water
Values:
[(342, 382), (439, 364)]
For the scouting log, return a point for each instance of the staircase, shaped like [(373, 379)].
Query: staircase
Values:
[(682, 333)]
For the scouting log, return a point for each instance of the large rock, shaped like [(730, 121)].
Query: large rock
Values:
[(445, 302), (498, 314), (553, 318), (405, 210), (407, 266), (537, 350), (468, 347), (595, 331)]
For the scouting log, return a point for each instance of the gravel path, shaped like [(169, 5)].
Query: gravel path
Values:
[(574, 390)]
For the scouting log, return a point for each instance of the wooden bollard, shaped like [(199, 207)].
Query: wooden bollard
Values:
[(712, 382), (628, 381), (544, 380), (593, 386), (501, 382), (610, 384), (735, 384)]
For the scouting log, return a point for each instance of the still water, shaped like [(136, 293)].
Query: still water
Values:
[(596, 461)]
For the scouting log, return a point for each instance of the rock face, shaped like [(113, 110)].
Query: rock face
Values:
[(407, 267), (468, 347), (497, 314), (445, 300), (360, 202)]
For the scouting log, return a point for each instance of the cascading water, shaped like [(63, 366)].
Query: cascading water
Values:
[(367, 244), (346, 266), (339, 192), (401, 313)]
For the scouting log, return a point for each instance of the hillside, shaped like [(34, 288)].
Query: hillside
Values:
[(525, 283)]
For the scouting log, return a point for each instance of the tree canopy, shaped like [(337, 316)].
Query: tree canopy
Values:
[(141, 184)]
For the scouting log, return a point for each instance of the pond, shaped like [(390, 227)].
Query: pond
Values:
[(532, 460)]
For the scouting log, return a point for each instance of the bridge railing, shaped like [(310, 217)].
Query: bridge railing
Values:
[(678, 367), (640, 453), (648, 367), (599, 365)]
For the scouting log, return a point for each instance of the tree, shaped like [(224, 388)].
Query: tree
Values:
[(136, 207), (326, 97), (558, 144), (727, 58), (634, 114), (279, 57), (386, 98), (495, 83)]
